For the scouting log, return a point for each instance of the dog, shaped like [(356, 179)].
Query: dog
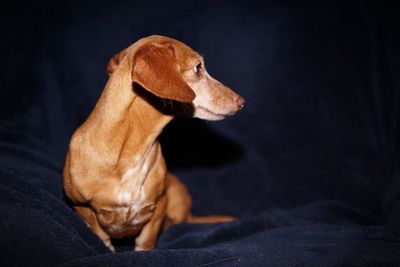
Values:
[(114, 173)]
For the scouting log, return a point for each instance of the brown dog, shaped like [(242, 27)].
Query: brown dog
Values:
[(115, 173)]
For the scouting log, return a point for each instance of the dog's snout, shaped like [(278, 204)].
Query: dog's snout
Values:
[(240, 102)]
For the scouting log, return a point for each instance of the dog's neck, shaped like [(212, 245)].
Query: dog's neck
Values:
[(126, 125)]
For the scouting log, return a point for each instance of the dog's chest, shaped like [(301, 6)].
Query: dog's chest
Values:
[(144, 180), (137, 193)]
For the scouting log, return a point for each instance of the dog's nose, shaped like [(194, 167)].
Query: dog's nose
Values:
[(240, 102)]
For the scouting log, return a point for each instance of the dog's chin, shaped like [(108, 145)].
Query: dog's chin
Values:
[(206, 114)]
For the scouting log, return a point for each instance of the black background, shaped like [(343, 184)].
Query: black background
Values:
[(320, 79)]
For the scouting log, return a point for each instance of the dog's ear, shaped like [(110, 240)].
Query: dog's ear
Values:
[(156, 69), (113, 63)]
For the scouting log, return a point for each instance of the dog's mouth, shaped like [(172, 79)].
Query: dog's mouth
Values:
[(205, 113), (175, 108)]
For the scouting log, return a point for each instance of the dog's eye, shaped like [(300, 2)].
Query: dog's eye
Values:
[(197, 69)]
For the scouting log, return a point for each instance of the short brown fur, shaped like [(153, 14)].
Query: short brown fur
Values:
[(114, 172)]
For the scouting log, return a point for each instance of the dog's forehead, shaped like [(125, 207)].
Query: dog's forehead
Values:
[(186, 55)]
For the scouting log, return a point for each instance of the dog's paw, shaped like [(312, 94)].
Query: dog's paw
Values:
[(109, 245), (139, 248)]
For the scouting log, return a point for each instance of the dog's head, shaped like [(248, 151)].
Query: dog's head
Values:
[(171, 70)]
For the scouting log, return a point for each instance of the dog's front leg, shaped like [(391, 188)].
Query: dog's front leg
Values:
[(148, 236), (89, 217)]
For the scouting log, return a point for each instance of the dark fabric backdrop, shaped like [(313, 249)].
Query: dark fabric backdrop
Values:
[(315, 148)]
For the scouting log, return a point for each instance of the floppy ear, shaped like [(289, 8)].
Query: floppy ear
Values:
[(156, 69), (114, 62)]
